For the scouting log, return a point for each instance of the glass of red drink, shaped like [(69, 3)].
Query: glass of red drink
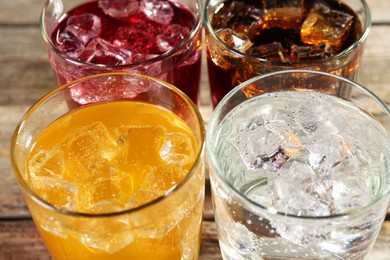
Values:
[(159, 38), (249, 38)]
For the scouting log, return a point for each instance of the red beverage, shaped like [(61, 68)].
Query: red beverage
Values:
[(249, 38), (159, 38)]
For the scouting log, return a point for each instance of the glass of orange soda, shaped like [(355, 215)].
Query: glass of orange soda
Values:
[(111, 167)]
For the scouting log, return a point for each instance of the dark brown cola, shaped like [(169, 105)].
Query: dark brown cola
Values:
[(267, 35)]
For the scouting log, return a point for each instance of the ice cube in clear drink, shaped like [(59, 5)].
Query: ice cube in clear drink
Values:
[(243, 139), (326, 25), (334, 161), (255, 152), (119, 8), (293, 189), (288, 145), (286, 14), (350, 190)]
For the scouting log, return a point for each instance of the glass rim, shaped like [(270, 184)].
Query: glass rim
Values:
[(49, 43), (167, 194), (345, 52), (210, 140)]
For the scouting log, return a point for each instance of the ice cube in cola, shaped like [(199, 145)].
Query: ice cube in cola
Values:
[(279, 34)]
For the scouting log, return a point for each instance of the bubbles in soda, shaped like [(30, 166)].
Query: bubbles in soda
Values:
[(306, 154)]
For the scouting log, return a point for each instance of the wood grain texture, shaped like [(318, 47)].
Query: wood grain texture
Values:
[(26, 76), (19, 239)]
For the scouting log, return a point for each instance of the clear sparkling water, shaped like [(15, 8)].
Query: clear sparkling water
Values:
[(305, 154)]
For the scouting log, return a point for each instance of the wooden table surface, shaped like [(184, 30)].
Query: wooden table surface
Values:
[(25, 76)]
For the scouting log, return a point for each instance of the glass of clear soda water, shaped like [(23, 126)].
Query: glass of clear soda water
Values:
[(159, 38), (298, 171)]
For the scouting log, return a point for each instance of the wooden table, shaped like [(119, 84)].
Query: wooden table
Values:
[(25, 76)]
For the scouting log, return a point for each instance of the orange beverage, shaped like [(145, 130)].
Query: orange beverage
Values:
[(120, 179)]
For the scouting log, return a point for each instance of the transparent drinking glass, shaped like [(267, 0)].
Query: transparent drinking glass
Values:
[(85, 190), (113, 36), (253, 38), (297, 171)]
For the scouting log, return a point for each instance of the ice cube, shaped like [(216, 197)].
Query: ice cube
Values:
[(242, 18), (91, 92), (178, 149), (329, 156), (351, 186), (119, 8), (286, 14), (294, 190), (55, 190), (161, 178), (70, 45), (272, 161), (47, 177), (252, 148), (172, 37), (219, 54), (310, 53), (326, 152), (289, 145), (140, 143), (84, 26), (100, 195), (139, 37), (104, 235), (305, 235), (159, 11), (326, 25), (239, 43), (316, 123), (273, 51), (100, 51), (243, 241), (90, 149), (46, 163)]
